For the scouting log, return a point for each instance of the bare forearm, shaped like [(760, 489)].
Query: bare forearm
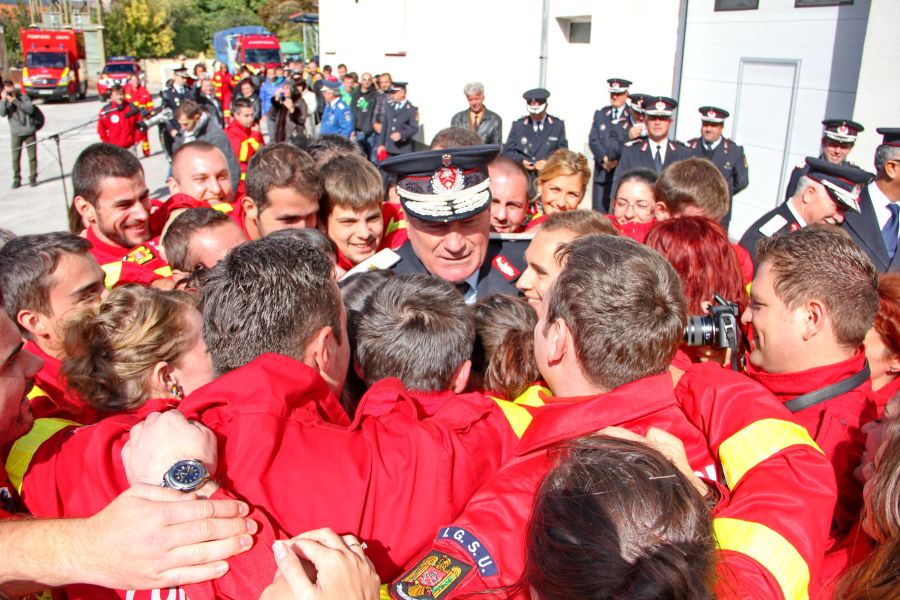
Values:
[(41, 553)]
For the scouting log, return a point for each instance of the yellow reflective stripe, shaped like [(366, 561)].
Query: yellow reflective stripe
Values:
[(113, 272), (517, 416), (770, 550), (165, 271), (245, 150), (531, 396), (35, 392), (384, 592), (23, 449), (756, 443), (223, 207)]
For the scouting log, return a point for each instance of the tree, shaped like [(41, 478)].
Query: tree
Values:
[(139, 28), (12, 19), (197, 20)]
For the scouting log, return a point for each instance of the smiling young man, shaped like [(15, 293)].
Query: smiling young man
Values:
[(509, 195), (446, 198), (283, 191), (825, 193), (46, 279), (812, 301), (351, 212), (199, 169)]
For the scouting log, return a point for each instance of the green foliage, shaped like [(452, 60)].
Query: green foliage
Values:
[(197, 21), (11, 21), (139, 28)]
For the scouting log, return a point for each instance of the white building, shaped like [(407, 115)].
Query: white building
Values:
[(779, 66)]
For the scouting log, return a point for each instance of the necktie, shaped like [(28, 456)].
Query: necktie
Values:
[(657, 159), (463, 287), (615, 114), (890, 230)]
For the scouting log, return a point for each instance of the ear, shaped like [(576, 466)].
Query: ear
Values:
[(661, 211), (87, 210), (557, 341), (173, 185), (162, 378), (179, 275), (33, 322), (320, 350), (461, 377), (250, 209), (815, 319)]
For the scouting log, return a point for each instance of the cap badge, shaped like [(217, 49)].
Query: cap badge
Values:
[(447, 178), (660, 105), (711, 113), (843, 129), (445, 160)]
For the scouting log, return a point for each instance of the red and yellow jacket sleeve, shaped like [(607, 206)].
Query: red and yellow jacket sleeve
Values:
[(773, 530)]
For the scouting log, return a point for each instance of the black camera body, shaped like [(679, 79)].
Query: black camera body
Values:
[(718, 328)]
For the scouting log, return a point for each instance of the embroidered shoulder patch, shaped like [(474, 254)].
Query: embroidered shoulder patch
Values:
[(140, 255), (505, 267), (773, 225), (433, 577), (468, 542)]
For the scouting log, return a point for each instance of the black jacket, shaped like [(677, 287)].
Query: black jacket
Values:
[(490, 127)]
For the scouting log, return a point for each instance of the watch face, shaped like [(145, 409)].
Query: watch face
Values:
[(187, 473)]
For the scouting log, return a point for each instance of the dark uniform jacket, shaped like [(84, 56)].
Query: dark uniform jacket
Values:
[(777, 220), (172, 97), (729, 159), (524, 143), (606, 139), (503, 263), (490, 127), (405, 120), (864, 230), (639, 153)]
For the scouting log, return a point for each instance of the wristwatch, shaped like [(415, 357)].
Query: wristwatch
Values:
[(186, 476)]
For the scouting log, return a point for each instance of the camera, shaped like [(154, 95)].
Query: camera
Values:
[(158, 116), (718, 328)]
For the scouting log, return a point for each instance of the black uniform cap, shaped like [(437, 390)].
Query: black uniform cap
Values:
[(537, 95), (842, 182), (617, 86), (443, 185), (841, 130), (713, 114), (891, 136), (659, 106)]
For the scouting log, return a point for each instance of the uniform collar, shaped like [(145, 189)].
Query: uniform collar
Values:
[(567, 418), (103, 251), (787, 386), (795, 212)]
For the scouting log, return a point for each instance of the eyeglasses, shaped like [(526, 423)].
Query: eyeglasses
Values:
[(640, 205)]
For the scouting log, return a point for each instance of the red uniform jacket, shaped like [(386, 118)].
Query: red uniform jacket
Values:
[(636, 231), (223, 84), (834, 424), (244, 142), (882, 397), (286, 446), (139, 96), (50, 398), (484, 549), (395, 233), (117, 124), (142, 264), (774, 528)]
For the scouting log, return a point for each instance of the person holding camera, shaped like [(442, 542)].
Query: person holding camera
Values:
[(118, 120), (19, 110), (287, 114)]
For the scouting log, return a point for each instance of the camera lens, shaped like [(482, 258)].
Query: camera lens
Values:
[(699, 331)]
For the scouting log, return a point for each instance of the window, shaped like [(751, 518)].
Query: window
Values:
[(736, 5), (803, 3), (580, 33)]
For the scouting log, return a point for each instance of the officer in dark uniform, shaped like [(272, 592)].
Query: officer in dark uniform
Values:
[(446, 197), (728, 157), (838, 138), (602, 143), (172, 97), (535, 137), (400, 123), (831, 192), (876, 229), (656, 151)]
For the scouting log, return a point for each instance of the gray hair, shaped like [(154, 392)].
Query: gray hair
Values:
[(885, 153), (473, 88)]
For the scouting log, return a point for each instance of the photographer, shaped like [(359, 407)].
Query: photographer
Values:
[(118, 120), (287, 116), (19, 110)]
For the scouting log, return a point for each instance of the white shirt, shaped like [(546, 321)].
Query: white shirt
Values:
[(800, 220), (880, 203), (472, 293), (712, 146), (663, 147)]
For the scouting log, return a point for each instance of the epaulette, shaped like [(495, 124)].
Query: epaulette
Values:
[(506, 268), (773, 225), (692, 143), (630, 143)]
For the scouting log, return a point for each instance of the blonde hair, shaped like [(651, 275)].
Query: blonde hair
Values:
[(563, 163), (111, 349)]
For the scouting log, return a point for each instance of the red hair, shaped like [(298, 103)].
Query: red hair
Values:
[(887, 321), (703, 257)]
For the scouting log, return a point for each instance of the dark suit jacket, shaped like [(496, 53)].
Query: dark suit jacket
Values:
[(490, 127), (729, 159), (639, 153), (503, 264), (864, 230), (524, 143), (602, 141), (777, 220)]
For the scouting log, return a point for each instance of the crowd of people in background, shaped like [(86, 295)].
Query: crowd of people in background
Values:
[(372, 369)]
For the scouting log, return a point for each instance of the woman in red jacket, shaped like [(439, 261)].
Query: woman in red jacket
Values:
[(883, 341)]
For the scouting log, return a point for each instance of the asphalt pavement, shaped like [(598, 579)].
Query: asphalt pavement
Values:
[(43, 208)]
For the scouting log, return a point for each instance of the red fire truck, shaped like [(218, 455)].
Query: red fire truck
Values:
[(55, 65)]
